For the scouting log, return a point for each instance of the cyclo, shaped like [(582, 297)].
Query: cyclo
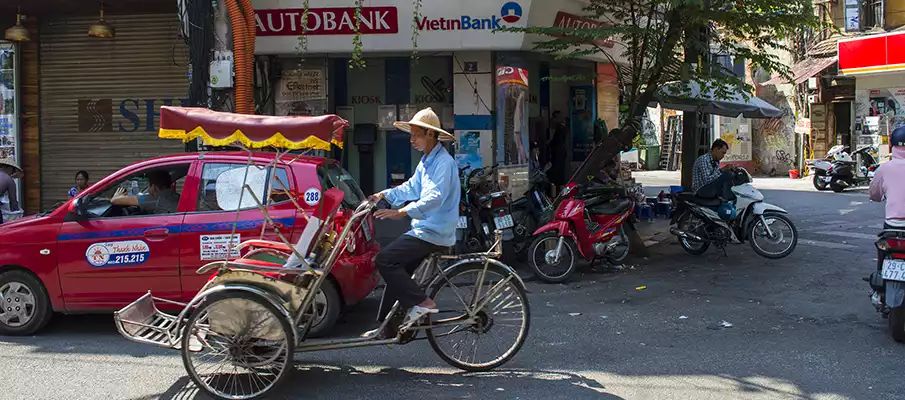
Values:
[(238, 335)]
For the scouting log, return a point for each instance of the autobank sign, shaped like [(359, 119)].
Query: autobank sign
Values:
[(510, 13)]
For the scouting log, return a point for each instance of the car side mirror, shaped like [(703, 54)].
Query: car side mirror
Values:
[(79, 209)]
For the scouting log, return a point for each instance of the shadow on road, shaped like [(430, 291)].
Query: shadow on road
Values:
[(347, 382)]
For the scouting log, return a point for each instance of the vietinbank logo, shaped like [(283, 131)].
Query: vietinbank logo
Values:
[(511, 12)]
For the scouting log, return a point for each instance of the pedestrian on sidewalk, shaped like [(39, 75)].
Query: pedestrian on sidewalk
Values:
[(81, 183), (9, 194)]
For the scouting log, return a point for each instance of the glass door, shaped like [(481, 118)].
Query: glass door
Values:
[(9, 120)]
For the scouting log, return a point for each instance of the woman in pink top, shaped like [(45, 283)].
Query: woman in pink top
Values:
[(889, 182)]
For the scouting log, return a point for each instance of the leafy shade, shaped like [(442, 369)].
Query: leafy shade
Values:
[(651, 39)]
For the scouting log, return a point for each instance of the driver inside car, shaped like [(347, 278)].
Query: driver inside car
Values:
[(160, 199)]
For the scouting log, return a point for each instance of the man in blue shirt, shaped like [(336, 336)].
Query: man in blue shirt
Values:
[(434, 195)]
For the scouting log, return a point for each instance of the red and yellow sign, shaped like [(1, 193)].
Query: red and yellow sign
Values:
[(872, 54)]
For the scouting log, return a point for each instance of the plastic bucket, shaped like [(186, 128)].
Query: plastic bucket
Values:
[(793, 174)]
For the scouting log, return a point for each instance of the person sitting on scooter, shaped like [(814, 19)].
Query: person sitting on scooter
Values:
[(888, 182), (708, 179), (434, 192)]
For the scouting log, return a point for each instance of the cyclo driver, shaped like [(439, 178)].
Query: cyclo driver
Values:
[(434, 194)]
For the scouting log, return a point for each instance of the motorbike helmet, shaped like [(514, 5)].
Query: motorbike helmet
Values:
[(726, 211), (897, 137)]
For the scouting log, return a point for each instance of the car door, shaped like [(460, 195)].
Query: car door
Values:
[(112, 256), (208, 226)]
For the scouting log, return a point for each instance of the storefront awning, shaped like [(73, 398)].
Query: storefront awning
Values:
[(804, 70)]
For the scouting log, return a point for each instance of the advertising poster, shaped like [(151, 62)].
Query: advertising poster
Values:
[(469, 152), (8, 129), (302, 92), (512, 124), (583, 115)]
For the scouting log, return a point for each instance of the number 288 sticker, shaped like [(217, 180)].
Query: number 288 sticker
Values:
[(312, 196)]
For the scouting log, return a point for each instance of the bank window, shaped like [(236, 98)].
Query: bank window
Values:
[(222, 183)]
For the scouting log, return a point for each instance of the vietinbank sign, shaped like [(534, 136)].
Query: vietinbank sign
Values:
[(511, 12)]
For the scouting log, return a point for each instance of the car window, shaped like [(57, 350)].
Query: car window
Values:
[(98, 204), (334, 176), (222, 183)]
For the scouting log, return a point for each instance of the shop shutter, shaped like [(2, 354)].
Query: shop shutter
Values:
[(96, 95)]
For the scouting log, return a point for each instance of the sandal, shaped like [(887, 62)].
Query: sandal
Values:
[(415, 314)]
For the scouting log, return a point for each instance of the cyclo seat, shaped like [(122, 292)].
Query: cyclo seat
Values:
[(701, 201), (611, 208)]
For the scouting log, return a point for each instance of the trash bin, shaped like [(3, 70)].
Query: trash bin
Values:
[(652, 157)]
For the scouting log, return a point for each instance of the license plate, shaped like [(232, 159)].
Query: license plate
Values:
[(894, 270), (827, 178), (503, 222), (463, 222)]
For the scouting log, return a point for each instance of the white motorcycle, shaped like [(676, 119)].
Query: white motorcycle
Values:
[(701, 222)]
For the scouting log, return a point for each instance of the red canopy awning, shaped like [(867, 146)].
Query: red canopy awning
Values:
[(254, 131)]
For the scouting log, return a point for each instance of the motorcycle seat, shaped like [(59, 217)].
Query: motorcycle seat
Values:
[(701, 201), (611, 208)]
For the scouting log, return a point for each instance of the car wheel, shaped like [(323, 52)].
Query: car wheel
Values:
[(25, 305), (328, 304)]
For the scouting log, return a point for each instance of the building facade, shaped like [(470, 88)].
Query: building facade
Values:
[(488, 87)]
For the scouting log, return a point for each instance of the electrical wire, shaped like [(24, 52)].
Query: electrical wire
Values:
[(473, 87), (197, 30)]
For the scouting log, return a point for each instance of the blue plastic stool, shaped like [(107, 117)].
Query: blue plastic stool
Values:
[(644, 211), (664, 209)]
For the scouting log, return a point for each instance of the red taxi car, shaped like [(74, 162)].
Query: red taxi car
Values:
[(90, 256)]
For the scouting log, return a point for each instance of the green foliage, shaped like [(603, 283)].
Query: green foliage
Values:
[(652, 38)]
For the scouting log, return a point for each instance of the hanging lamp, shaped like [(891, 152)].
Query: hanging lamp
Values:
[(101, 29), (17, 32)]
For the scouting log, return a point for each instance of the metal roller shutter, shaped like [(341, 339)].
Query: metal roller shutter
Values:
[(101, 98)]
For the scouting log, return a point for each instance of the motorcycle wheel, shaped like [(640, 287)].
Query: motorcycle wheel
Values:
[(897, 323), (621, 256), (693, 247), (837, 188), (754, 236), (819, 184), (542, 258)]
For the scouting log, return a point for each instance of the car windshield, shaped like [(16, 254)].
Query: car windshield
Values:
[(337, 177)]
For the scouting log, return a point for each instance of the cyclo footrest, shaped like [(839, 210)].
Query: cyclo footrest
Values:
[(142, 322)]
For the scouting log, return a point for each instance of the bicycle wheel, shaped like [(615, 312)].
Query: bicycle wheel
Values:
[(502, 322), (237, 345)]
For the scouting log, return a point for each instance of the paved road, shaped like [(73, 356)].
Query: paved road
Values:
[(802, 328)]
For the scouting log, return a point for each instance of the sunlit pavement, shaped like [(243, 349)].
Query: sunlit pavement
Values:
[(671, 326)]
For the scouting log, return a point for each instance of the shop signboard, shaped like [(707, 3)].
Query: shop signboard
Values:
[(872, 54), (326, 21), (571, 21)]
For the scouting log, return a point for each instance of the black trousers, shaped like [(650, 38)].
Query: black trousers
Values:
[(721, 187), (396, 263)]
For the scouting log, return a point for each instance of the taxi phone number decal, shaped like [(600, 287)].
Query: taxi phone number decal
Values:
[(118, 254)]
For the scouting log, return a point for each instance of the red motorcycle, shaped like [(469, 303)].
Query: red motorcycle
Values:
[(588, 222)]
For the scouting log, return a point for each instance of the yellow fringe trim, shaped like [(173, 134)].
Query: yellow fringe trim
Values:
[(277, 140)]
